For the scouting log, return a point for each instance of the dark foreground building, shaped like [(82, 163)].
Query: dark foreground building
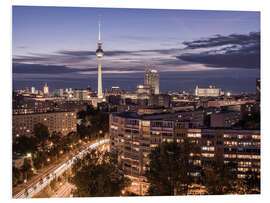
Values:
[(133, 137)]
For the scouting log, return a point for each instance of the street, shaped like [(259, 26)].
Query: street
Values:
[(34, 184)]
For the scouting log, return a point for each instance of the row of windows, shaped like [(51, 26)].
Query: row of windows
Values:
[(240, 156), (241, 149)]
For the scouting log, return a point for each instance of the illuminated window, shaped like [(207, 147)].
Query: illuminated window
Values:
[(194, 134), (146, 123), (207, 155)]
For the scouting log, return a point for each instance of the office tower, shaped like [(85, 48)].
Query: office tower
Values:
[(99, 54), (59, 92), (46, 89), (151, 78), (27, 90), (33, 90)]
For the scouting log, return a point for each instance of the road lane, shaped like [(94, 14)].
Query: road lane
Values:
[(35, 186), (64, 191)]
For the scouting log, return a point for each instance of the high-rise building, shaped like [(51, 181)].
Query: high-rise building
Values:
[(59, 92), (144, 89), (46, 89), (99, 54), (115, 90), (151, 78), (33, 90), (81, 94), (27, 90)]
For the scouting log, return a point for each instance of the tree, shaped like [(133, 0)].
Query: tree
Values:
[(39, 160), (53, 184), (253, 182), (23, 145), (96, 176), (26, 169), (219, 178), (17, 176), (41, 133), (172, 168), (93, 121)]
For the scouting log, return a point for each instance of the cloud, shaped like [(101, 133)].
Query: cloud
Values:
[(116, 52), (40, 69), (235, 50), (93, 53), (219, 40), (232, 51), (84, 58)]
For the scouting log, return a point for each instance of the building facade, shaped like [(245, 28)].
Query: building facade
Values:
[(208, 92), (133, 136), (46, 90), (151, 78), (225, 119), (64, 122)]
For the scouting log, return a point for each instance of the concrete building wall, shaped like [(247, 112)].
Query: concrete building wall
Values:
[(133, 137), (64, 122)]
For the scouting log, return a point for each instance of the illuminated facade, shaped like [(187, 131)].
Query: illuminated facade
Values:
[(151, 78), (208, 92), (133, 137), (46, 89), (64, 122)]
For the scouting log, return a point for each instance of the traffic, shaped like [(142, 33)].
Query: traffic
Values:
[(43, 182)]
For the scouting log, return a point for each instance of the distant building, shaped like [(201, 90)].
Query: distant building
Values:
[(81, 94), (225, 119), (249, 109), (27, 90), (46, 90), (115, 90), (144, 89), (114, 99), (151, 78), (64, 122), (58, 92), (227, 102), (208, 92), (159, 100), (258, 89), (33, 90)]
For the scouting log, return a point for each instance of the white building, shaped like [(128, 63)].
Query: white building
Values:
[(151, 78), (208, 92), (46, 89)]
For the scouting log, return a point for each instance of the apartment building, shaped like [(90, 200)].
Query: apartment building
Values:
[(133, 136), (64, 122)]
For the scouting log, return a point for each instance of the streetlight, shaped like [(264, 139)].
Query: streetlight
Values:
[(28, 155)]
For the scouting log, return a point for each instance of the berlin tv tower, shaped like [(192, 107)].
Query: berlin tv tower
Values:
[(99, 54)]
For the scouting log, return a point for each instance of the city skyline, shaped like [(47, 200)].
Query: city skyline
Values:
[(185, 43), (189, 126)]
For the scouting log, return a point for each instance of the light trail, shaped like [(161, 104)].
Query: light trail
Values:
[(34, 189)]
